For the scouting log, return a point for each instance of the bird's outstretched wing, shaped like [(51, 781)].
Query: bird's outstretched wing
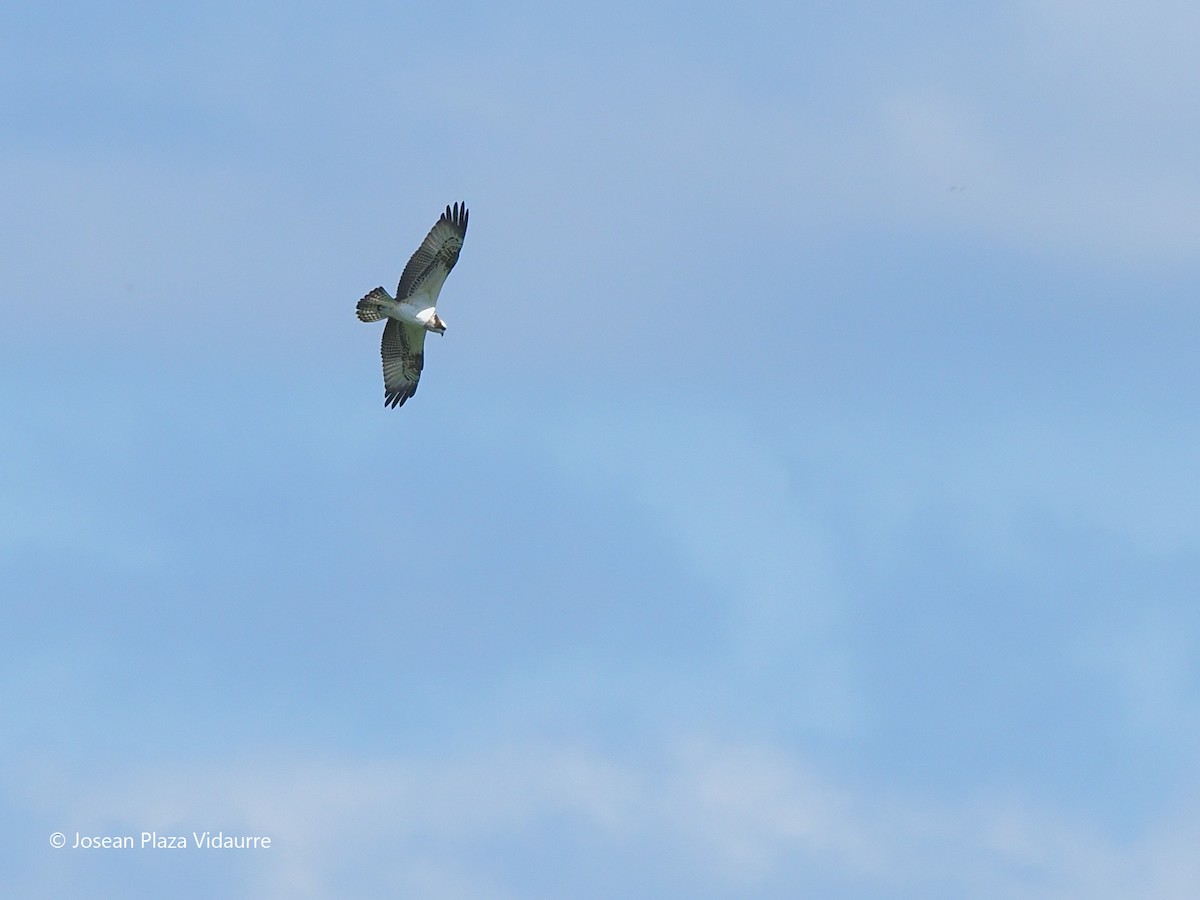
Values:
[(403, 352), (429, 266)]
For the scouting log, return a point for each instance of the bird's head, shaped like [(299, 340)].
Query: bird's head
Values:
[(436, 324)]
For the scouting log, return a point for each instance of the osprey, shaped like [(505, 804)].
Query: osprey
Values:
[(414, 309)]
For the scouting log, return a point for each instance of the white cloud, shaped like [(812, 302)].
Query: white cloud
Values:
[(964, 163), (1149, 662), (1001, 474), (748, 809), (753, 817), (723, 501)]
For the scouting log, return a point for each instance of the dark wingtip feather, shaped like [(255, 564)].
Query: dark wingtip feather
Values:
[(457, 215), (398, 398)]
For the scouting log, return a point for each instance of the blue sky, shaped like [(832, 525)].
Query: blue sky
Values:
[(803, 501)]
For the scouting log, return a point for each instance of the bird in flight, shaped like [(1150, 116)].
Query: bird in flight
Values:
[(413, 311)]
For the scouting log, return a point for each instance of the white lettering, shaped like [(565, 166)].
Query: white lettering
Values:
[(223, 841), (156, 841), (102, 841)]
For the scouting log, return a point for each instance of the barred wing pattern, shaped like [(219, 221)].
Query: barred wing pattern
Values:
[(413, 310), (427, 269), (403, 351)]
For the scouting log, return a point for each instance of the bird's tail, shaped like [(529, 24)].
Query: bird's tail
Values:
[(370, 307)]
